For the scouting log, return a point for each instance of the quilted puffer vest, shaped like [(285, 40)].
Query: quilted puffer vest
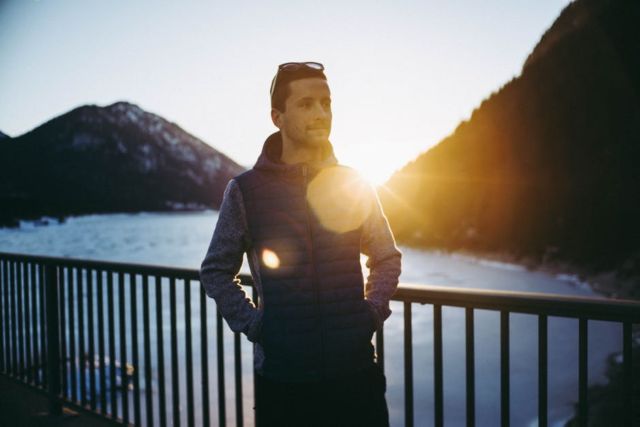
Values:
[(316, 324)]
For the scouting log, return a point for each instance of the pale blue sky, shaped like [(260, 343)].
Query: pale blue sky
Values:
[(403, 74)]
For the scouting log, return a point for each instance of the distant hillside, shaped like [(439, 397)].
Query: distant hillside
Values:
[(547, 166), (117, 158), (3, 136)]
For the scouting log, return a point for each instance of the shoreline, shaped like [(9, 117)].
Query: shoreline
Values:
[(614, 283), (608, 284), (57, 219)]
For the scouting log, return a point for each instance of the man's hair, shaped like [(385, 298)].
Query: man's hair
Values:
[(282, 91)]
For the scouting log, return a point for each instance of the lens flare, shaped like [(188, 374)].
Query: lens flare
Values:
[(340, 198), (270, 259)]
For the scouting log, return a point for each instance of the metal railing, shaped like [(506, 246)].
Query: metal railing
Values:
[(60, 338)]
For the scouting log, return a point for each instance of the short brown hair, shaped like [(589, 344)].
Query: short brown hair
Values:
[(281, 91)]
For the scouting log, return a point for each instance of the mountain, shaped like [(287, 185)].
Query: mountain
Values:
[(117, 158), (546, 168), (3, 136)]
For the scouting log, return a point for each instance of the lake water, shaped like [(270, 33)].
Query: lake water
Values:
[(181, 240)]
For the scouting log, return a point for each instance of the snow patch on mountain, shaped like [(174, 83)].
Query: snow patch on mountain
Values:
[(212, 165), (185, 153), (170, 138), (83, 141)]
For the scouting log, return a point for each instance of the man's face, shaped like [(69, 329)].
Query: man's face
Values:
[(307, 117)]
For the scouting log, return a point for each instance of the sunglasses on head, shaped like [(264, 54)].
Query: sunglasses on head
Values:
[(294, 66)]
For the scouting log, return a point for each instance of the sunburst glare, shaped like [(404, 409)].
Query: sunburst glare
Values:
[(340, 198)]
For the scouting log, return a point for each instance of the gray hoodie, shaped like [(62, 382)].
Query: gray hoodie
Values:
[(231, 240)]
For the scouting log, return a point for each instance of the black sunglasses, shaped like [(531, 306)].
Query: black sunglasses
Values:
[(294, 66)]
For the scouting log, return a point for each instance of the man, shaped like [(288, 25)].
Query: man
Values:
[(303, 221)]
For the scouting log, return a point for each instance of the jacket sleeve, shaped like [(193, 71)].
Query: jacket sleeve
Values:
[(222, 262), (384, 260)]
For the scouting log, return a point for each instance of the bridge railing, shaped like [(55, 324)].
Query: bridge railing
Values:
[(79, 330)]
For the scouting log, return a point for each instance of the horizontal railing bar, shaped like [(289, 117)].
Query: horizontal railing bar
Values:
[(617, 310), (111, 266), (523, 302)]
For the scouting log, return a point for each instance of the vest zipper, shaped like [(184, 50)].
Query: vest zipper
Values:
[(315, 274)]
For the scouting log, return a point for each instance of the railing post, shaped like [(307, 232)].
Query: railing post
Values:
[(505, 374), (408, 365), (627, 369), (53, 339), (542, 371), (583, 371), (437, 366), (471, 369)]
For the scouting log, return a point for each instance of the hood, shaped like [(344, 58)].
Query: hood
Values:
[(269, 159)]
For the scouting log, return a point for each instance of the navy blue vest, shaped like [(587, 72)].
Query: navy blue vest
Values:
[(316, 324)]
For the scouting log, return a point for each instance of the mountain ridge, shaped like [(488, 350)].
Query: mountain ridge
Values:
[(113, 158), (545, 167)]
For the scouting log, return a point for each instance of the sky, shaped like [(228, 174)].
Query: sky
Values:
[(402, 74)]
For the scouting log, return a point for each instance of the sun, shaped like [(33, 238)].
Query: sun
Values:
[(376, 162), (372, 174)]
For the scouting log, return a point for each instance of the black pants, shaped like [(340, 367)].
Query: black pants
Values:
[(354, 401)]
